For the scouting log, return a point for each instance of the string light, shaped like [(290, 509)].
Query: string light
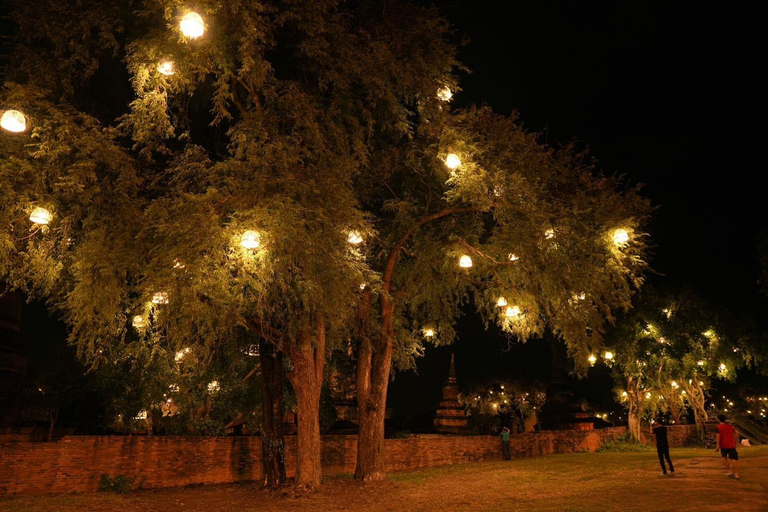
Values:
[(192, 25), (608, 355), (501, 302), (452, 161), (512, 312), (213, 386), (549, 234), (354, 238), (165, 67), (620, 237), (250, 239), (513, 257), (40, 216), (429, 332), (160, 298), (13, 121), (444, 94), (138, 321), (465, 261), (592, 359)]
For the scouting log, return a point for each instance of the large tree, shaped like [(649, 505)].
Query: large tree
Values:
[(470, 206), (222, 199)]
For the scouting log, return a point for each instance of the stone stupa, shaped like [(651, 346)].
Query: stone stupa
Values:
[(451, 416)]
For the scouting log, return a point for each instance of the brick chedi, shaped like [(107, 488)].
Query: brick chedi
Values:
[(451, 416)]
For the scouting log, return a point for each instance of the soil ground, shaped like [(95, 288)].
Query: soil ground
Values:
[(587, 482)]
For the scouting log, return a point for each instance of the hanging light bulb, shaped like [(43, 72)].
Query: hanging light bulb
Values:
[(13, 121), (623, 393), (722, 367), (192, 25), (160, 298), (549, 234), (138, 321), (501, 302), (620, 237), (513, 257), (674, 385), (250, 239), (592, 359), (648, 395), (354, 238), (166, 68), (465, 261), (512, 312), (444, 94), (40, 216), (608, 355), (700, 363), (429, 332), (452, 161), (213, 386)]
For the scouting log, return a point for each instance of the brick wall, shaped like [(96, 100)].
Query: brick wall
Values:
[(75, 463)]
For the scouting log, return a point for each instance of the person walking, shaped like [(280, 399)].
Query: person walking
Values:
[(505, 443), (659, 429), (726, 443)]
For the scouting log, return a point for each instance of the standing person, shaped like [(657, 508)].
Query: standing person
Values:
[(505, 443), (726, 443), (659, 429)]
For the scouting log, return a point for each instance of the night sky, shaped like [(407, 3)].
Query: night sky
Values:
[(671, 94)]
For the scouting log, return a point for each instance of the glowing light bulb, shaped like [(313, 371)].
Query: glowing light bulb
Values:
[(648, 395), (444, 94), (138, 321), (513, 257), (608, 355), (354, 238), (620, 237), (592, 359), (549, 234), (429, 333), (674, 384), (40, 216), (501, 302), (13, 121), (213, 386), (452, 161), (722, 367), (512, 312), (165, 67), (250, 239), (192, 25), (700, 363), (465, 261), (160, 298), (142, 415), (624, 393)]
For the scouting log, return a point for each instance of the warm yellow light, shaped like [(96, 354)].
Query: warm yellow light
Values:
[(192, 25), (465, 261), (501, 302), (354, 238), (250, 239), (40, 216), (674, 384), (513, 257), (549, 234), (512, 312), (624, 393), (160, 298), (213, 386), (13, 121), (580, 296), (620, 237), (181, 353), (608, 355), (452, 161), (648, 395), (495, 405), (722, 367), (592, 359), (700, 363), (444, 94), (165, 67), (178, 264), (709, 333), (429, 333), (142, 415), (138, 321)]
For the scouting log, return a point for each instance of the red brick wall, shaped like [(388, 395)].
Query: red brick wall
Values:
[(75, 463)]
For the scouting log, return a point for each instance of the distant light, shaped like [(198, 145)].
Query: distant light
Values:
[(178, 264), (160, 298), (362, 286), (250, 239), (623, 393), (620, 237), (501, 302), (142, 415), (13, 121), (465, 261), (444, 94), (674, 384), (192, 25), (580, 296), (709, 333), (452, 161), (165, 67), (40, 216), (213, 386), (429, 333), (138, 321), (592, 359), (722, 367), (608, 355), (512, 312), (700, 363), (549, 234), (648, 395), (354, 238), (513, 257), (173, 388)]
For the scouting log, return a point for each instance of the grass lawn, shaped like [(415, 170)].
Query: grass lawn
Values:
[(586, 482)]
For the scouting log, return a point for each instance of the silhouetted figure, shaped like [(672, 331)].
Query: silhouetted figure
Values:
[(659, 430), (505, 443)]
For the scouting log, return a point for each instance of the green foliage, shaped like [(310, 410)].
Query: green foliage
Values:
[(120, 484), (492, 404), (623, 444)]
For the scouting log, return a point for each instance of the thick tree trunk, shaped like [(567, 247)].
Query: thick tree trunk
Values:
[(633, 418), (272, 436), (373, 380), (696, 399), (308, 357)]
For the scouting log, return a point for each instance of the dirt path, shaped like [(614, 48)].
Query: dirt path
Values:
[(623, 482)]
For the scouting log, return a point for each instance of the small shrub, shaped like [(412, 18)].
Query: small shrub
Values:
[(622, 444), (121, 484)]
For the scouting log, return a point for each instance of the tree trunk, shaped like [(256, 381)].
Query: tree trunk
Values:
[(373, 381), (308, 357), (633, 418), (53, 415), (272, 436), (696, 399)]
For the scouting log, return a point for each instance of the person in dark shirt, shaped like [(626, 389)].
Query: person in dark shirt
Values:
[(659, 429), (726, 443), (505, 443)]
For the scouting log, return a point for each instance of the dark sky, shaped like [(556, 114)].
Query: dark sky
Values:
[(672, 94)]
